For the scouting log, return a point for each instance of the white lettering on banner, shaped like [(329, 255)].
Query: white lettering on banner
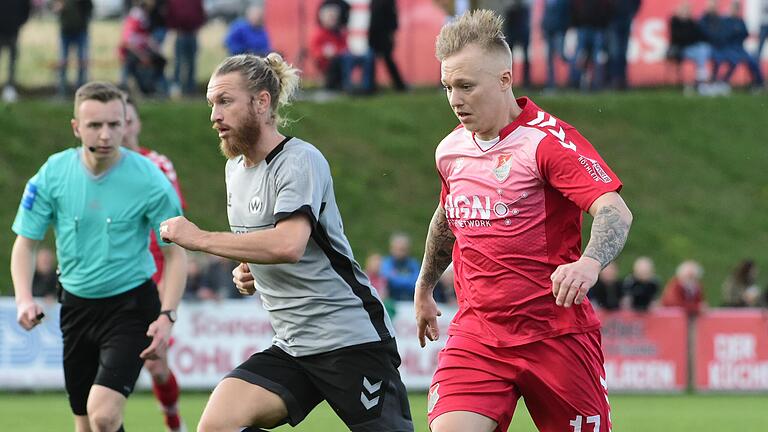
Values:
[(652, 35), (731, 347), (738, 376), (735, 366), (640, 375)]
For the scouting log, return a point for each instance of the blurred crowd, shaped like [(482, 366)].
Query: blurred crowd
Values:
[(641, 289), (714, 42)]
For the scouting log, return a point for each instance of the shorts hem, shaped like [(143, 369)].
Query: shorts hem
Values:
[(295, 413), (483, 412)]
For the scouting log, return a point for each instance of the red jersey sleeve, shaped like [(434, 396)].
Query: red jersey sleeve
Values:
[(573, 167)]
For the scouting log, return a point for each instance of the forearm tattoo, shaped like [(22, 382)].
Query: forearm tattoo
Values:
[(437, 252), (608, 235)]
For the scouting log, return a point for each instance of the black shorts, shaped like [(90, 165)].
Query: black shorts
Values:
[(361, 383), (103, 339)]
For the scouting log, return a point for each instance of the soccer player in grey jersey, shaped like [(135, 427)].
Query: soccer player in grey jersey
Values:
[(333, 339)]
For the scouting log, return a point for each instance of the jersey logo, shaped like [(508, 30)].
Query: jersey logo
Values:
[(503, 166), (367, 397), (433, 397), (255, 205), (30, 194), (542, 121)]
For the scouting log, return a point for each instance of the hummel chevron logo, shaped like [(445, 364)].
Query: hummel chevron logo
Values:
[(369, 388), (551, 122)]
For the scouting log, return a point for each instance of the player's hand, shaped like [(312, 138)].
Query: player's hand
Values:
[(181, 231), (570, 282), (243, 279), (29, 315), (160, 332), (426, 317)]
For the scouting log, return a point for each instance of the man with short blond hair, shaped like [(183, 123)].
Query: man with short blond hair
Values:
[(515, 181)]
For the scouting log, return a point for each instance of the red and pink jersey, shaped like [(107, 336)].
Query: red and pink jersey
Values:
[(516, 211), (166, 166)]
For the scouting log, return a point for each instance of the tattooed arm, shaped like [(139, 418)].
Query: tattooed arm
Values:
[(437, 256), (570, 282)]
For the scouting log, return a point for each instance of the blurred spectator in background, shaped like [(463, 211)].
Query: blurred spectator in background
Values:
[(618, 41), (606, 293), (343, 7), (554, 25), (715, 31), (381, 39), (216, 282), (517, 30), (247, 35), (373, 271), (740, 289), (684, 290), (14, 14), (44, 279), (185, 17), (194, 275), (328, 48), (399, 269), (140, 54), (591, 19), (687, 41), (641, 286), (74, 19), (457, 7), (763, 31), (733, 53)]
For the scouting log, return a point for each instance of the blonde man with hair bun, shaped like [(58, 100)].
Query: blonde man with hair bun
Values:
[(515, 182), (333, 338)]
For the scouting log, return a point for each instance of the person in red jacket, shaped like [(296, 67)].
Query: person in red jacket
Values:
[(684, 289), (185, 17), (164, 384)]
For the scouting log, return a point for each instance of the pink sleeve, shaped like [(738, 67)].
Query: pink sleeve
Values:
[(574, 168)]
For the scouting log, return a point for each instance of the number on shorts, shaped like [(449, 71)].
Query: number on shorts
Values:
[(576, 423)]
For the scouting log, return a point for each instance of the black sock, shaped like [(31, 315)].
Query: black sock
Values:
[(120, 429)]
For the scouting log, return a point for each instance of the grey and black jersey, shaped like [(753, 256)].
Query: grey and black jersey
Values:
[(325, 301)]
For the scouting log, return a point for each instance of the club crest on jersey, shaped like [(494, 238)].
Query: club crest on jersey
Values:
[(433, 397), (503, 165), (255, 205)]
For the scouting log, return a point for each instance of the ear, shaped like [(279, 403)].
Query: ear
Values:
[(505, 80), (262, 102), (75, 125)]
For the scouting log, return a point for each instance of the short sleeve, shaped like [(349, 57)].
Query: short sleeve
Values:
[(36, 209), (573, 167), (163, 202), (301, 178)]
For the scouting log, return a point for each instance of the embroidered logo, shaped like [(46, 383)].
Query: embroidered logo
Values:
[(503, 166), (255, 205)]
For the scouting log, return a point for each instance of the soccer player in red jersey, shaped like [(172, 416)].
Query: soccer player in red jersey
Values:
[(515, 181), (164, 384)]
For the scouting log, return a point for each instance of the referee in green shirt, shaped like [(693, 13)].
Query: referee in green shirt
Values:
[(102, 201)]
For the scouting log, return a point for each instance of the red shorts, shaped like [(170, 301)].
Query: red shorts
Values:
[(562, 380)]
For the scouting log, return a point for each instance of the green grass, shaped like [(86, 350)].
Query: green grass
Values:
[(630, 413), (693, 168)]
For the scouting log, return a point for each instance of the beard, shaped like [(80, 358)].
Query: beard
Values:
[(241, 139)]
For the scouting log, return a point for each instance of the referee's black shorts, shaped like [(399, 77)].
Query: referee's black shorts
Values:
[(103, 339), (360, 382)]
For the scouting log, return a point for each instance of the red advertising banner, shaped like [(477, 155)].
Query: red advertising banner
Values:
[(290, 24), (645, 352), (732, 350)]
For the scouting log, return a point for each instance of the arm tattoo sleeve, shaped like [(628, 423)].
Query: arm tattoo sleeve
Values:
[(437, 252), (608, 235)]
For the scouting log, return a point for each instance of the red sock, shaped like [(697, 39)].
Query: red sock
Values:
[(167, 394)]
